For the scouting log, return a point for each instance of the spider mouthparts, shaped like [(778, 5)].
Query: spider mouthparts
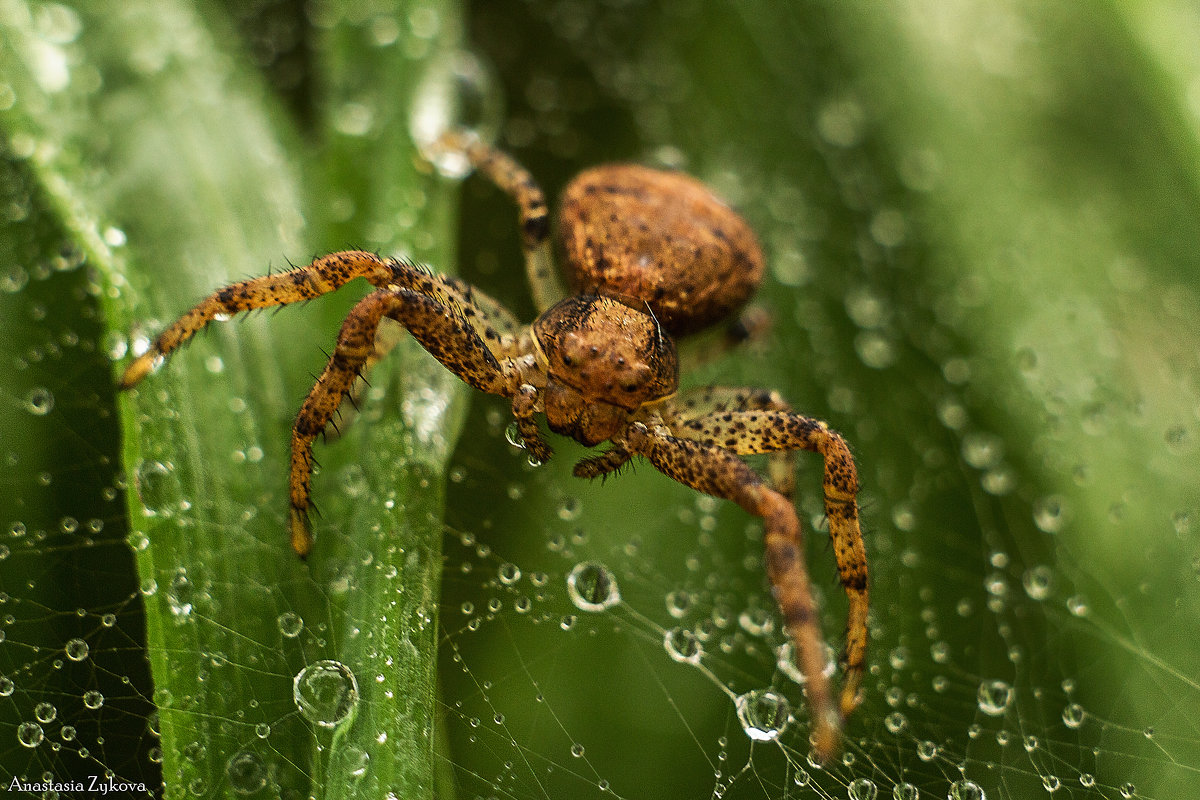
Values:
[(301, 533)]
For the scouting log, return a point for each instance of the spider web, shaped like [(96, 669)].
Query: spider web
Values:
[(1029, 623)]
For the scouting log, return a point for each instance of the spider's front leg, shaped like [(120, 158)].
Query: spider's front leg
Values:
[(439, 314), (325, 274), (718, 472)]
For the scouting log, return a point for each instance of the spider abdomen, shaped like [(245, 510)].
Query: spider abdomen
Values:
[(661, 237)]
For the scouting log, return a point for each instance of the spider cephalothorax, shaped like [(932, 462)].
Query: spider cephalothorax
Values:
[(651, 254)]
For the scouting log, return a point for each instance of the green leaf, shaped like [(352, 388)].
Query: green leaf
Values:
[(171, 168)]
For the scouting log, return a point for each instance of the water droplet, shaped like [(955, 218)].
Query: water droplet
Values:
[(153, 485), (355, 761), (1050, 513), (180, 593), (862, 789), (682, 646), (763, 713), (456, 91), (93, 699), (569, 509), (290, 624), (45, 712), (577, 750), (785, 660), (354, 480), (678, 604), (7, 686), (262, 730), (39, 401), (756, 621), (965, 790), (927, 750), (326, 692), (77, 649), (905, 791), (896, 722), (1073, 715), (982, 450), (509, 573), (874, 349), (593, 587), (513, 434), (1038, 582), (246, 772), (994, 697), (30, 734), (1128, 790)]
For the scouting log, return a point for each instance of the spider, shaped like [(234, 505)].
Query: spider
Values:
[(652, 255)]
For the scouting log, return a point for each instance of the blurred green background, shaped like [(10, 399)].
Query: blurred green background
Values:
[(981, 229)]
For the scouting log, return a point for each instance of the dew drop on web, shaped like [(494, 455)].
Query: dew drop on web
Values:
[(457, 90), (593, 587), (966, 790), (246, 772), (994, 697), (326, 692), (30, 734), (763, 713), (862, 789), (682, 646)]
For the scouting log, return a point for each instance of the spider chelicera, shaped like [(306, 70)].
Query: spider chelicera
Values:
[(652, 255)]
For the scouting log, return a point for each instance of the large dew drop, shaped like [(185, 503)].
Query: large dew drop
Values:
[(683, 646), (326, 692), (994, 697), (764, 715), (246, 772), (966, 790), (593, 587)]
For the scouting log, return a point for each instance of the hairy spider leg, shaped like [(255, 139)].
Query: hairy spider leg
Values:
[(519, 184), (499, 329), (768, 431), (718, 472), (681, 413), (322, 276), (447, 333)]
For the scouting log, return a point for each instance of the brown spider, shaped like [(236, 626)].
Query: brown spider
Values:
[(652, 255)]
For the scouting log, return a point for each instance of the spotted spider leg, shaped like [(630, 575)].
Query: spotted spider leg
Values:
[(519, 184), (707, 461), (679, 414), (683, 416), (468, 332), (324, 275)]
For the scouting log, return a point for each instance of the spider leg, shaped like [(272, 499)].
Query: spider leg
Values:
[(323, 275), (603, 465), (770, 431), (517, 182), (495, 324), (683, 413), (713, 470), (448, 335)]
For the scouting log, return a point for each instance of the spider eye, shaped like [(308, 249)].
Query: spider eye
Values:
[(567, 360)]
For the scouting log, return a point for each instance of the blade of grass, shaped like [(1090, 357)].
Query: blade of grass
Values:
[(135, 116)]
